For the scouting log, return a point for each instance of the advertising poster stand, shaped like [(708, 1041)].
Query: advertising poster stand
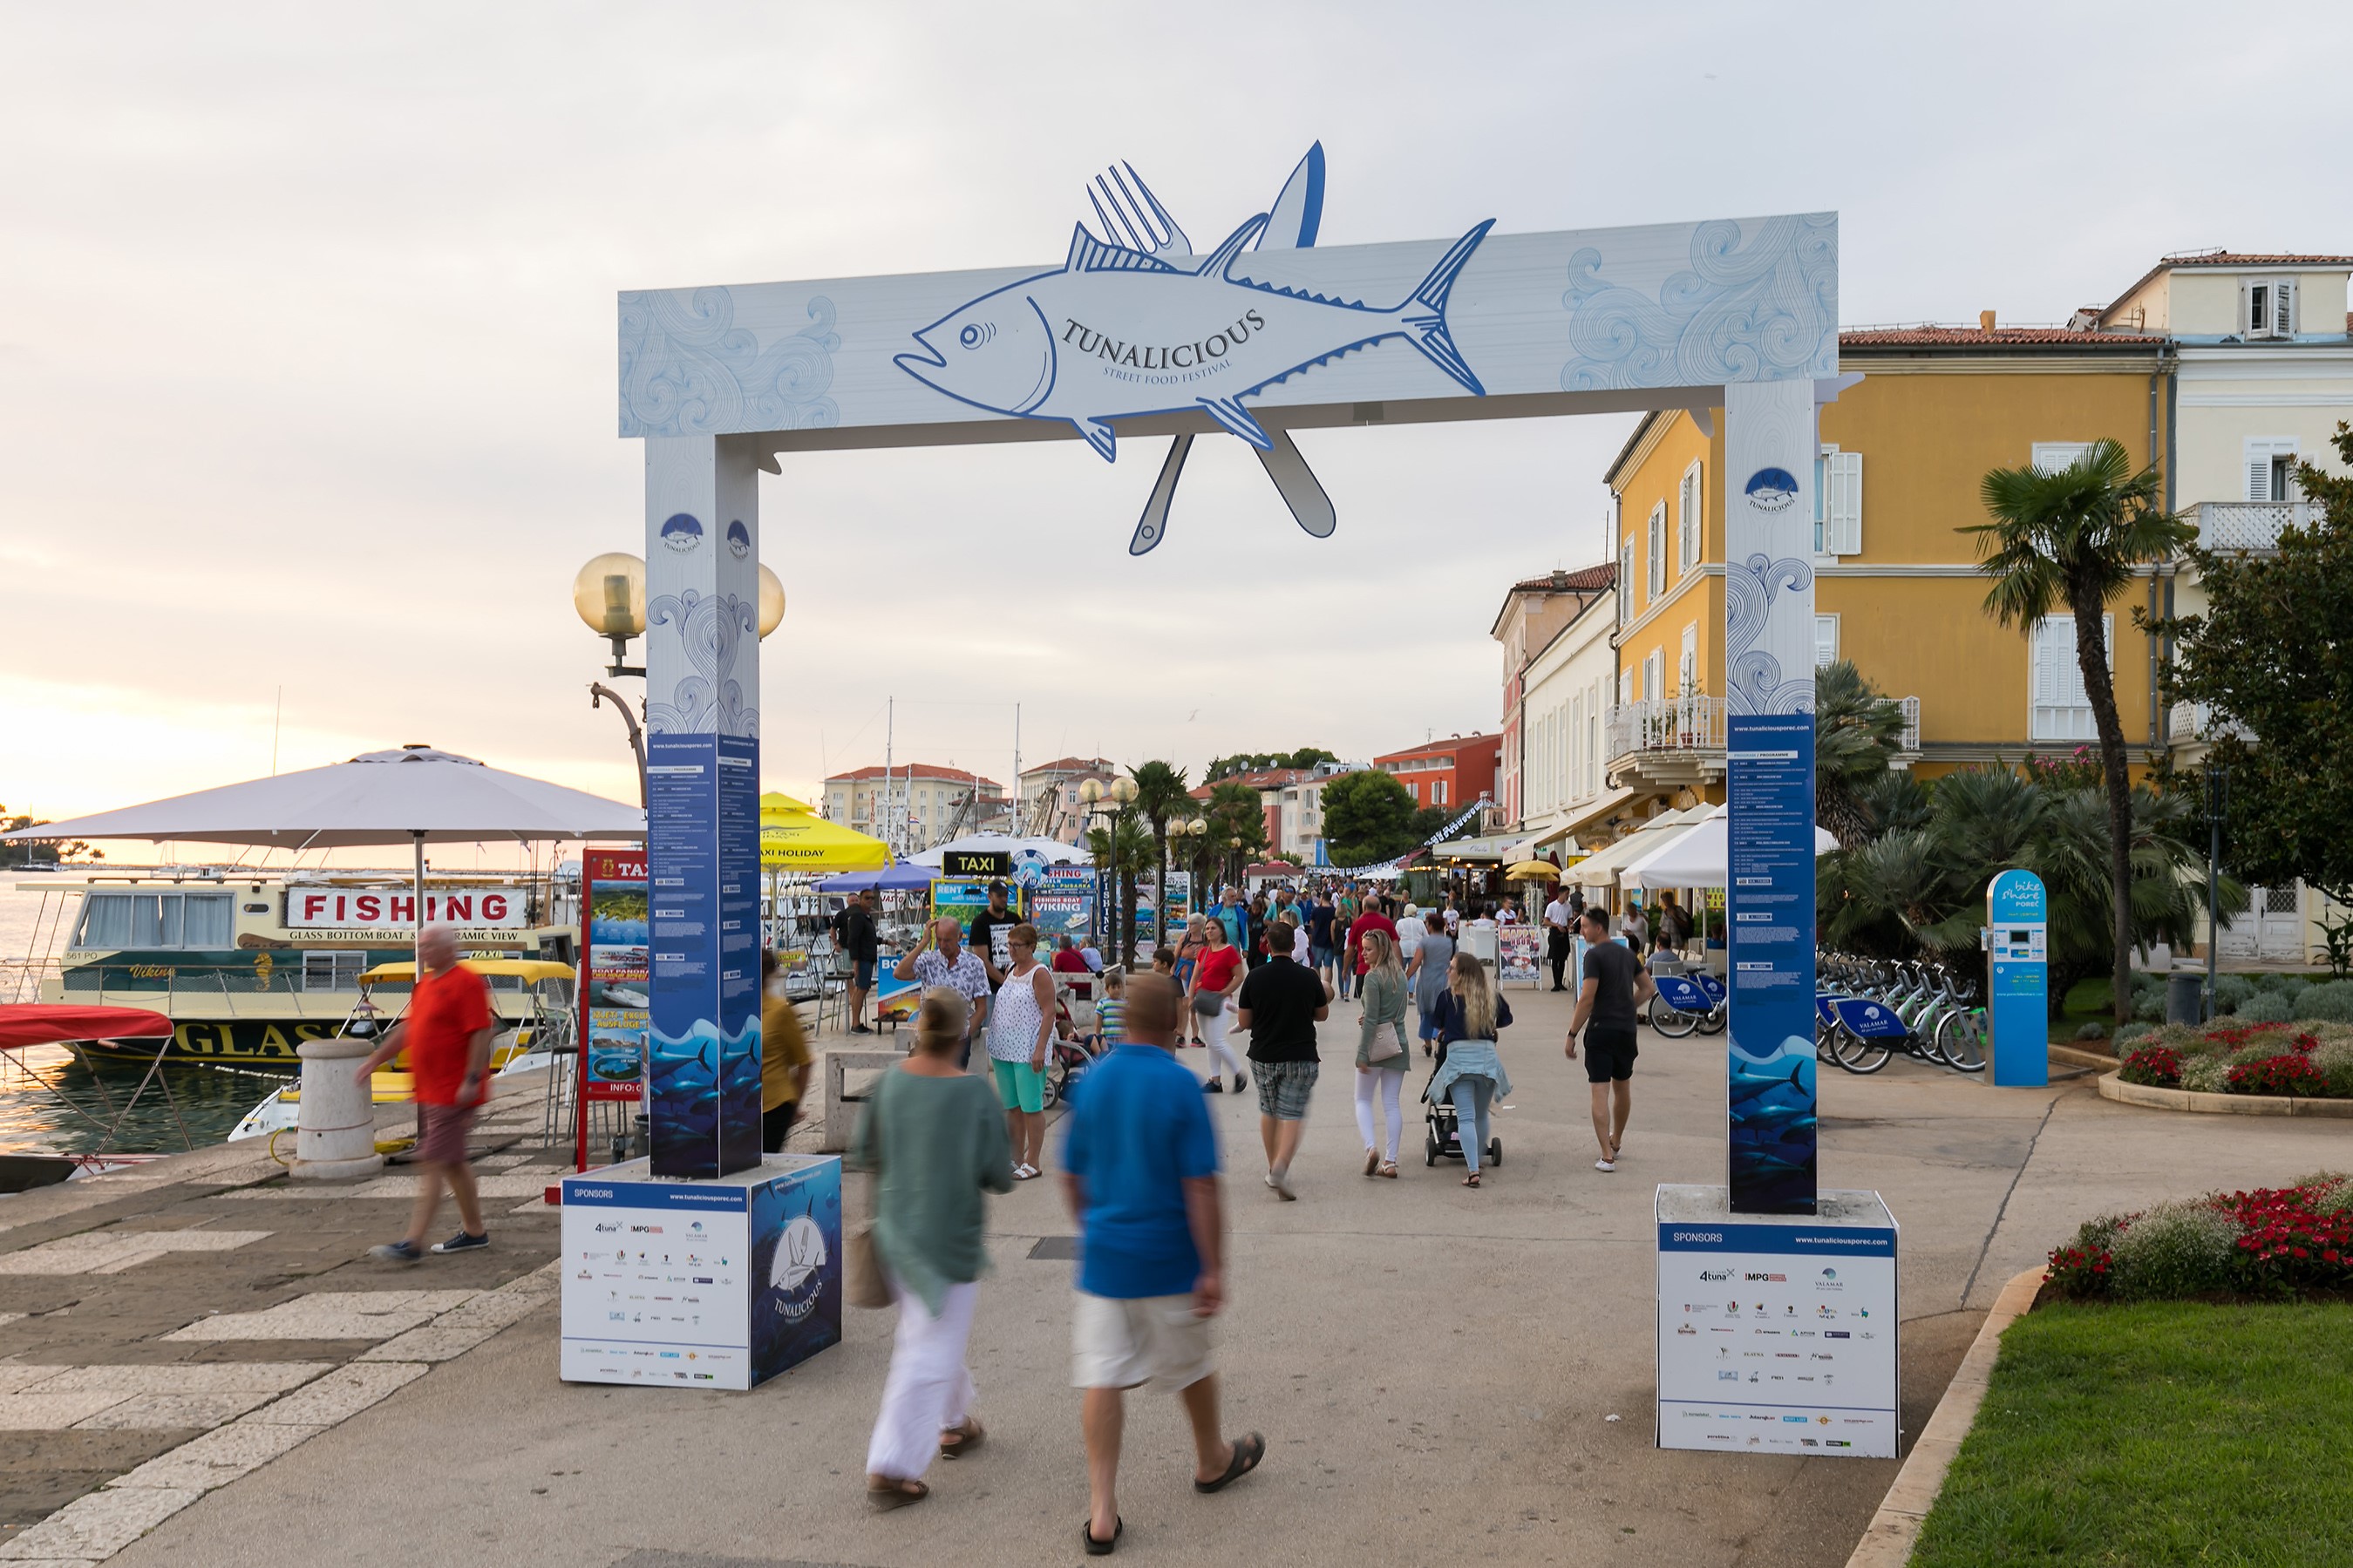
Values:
[(722, 1282), (615, 929), (1778, 1332)]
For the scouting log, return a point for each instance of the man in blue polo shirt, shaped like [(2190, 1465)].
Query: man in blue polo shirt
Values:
[(1140, 1168)]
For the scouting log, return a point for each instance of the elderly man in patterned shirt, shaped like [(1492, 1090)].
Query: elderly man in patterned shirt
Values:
[(944, 959)]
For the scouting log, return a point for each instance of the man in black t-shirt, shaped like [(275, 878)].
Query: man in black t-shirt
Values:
[(1607, 1004), (992, 935), (859, 940), (1279, 1005)]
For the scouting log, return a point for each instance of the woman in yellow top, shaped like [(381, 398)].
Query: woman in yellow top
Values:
[(784, 1060)]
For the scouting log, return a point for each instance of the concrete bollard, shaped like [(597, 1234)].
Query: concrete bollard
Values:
[(335, 1137)]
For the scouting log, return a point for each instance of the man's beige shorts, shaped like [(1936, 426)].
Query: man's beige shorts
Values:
[(1123, 1343)]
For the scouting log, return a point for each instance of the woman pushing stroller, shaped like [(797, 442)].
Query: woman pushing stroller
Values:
[(1470, 1070)]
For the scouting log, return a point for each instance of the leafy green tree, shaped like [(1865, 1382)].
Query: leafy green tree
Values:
[(2070, 540), (1235, 813), (1252, 762), (1368, 816), (37, 851), (1857, 733), (2271, 659)]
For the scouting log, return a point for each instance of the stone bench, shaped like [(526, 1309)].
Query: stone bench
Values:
[(842, 1095)]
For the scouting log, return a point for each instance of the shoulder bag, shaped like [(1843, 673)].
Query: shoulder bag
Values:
[(862, 1280)]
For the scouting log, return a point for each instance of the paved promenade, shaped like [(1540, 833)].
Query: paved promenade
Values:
[(1435, 1369)]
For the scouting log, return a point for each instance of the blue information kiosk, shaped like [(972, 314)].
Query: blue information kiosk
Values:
[(2018, 1007)]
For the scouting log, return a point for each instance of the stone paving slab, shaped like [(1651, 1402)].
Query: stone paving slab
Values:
[(174, 1411), (329, 1315), (99, 1525), (341, 1395), (112, 1251)]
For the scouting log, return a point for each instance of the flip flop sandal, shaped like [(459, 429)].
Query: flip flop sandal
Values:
[(968, 1436), (1472, 1180), (1248, 1452), (1101, 1548), (898, 1494)]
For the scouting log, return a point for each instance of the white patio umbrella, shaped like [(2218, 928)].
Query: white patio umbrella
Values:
[(1599, 869), (414, 795), (1699, 857)]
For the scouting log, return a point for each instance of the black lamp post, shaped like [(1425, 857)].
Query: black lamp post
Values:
[(2218, 790)]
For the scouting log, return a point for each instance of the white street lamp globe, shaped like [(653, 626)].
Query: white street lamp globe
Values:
[(772, 601), (1090, 791), (609, 594), (1123, 790)]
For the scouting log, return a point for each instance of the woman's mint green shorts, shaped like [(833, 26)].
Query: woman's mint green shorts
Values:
[(1020, 1085)]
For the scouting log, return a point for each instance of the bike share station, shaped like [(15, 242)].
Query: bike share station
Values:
[(1134, 334), (2018, 1003)]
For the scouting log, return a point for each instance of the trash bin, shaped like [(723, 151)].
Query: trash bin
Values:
[(2185, 996)]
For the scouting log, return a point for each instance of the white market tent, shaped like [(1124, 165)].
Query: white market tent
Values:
[(1698, 858), (414, 795), (1599, 869)]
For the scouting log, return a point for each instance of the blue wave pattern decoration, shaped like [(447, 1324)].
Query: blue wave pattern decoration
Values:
[(711, 630), (1764, 311), (1773, 1125), (693, 1076), (687, 369), (1754, 678)]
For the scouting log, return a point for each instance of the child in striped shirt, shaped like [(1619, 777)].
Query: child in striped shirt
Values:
[(1108, 1008)]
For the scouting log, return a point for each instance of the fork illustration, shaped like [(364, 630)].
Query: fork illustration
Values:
[(1135, 215)]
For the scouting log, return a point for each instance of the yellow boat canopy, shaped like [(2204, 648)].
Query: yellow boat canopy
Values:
[(532, 970), (803, 842)]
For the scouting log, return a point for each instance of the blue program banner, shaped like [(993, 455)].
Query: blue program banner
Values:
[(702, 831), (1770, 1149)]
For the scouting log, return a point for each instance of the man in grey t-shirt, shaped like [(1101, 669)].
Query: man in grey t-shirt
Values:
[(1616, 986)]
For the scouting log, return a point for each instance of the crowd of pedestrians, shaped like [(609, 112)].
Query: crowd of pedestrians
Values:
[(1139, 1153)]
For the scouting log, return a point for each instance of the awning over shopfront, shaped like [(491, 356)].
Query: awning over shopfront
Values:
[(1493, 849), (1592, 813), (1601, 868)]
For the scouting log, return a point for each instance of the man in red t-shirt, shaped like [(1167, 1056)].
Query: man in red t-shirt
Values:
[(1369, 919), (1066, 959), (446, 1034)]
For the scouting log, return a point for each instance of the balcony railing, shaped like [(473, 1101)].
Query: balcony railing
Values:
[(2187, 722), (1665, 724), (2249, 524)]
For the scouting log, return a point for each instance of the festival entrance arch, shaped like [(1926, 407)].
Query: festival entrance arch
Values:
[(1135, 335)]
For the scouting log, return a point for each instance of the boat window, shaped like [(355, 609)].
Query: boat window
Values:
[(333, 971), (156, 919)]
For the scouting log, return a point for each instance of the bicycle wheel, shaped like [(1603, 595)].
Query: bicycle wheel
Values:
[(1670, 1023), (1858, 1055), (1716, 1020), (1960, 1040)]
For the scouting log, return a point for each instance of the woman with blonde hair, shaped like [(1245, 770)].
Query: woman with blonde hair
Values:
[(1470, 1070), (1381, 1051), (934, 1137)]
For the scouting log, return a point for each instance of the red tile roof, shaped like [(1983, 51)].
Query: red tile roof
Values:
[(1584, 580), (1453, 743), (2252, 258), (1929, 335), (913, 770), (1069, 765)]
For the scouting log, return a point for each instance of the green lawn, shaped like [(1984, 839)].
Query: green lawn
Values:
[(2167, 1433)]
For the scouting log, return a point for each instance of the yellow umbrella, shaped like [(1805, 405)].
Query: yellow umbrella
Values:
[(799, 842), (1532, 871), (776, 807)]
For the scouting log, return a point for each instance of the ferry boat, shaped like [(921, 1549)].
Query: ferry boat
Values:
[(249, 964)]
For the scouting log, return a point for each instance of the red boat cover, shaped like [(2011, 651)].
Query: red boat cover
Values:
[(47, 1023)]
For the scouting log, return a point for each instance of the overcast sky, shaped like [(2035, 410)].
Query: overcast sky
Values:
[(307, 337)]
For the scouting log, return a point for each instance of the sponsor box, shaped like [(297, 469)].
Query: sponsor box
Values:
[(721, 1283), (1777, 1333)]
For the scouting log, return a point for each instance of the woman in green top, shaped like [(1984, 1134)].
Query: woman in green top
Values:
[(934, 1139), (1383, 993)]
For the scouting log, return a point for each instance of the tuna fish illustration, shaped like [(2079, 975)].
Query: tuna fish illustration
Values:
[(1122, 330)]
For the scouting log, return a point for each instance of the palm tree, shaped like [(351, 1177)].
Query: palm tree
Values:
[(1235, 813), (1161, 794), (2072, 538), (1857, 733), (1121, 849)]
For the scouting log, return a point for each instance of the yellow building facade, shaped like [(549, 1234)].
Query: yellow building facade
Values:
[(1897, 589)]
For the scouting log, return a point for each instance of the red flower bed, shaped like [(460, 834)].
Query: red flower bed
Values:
[(2290, 1240), (2157, 1066), (2077, 1271), (2292, 1073), (2233, 1039)]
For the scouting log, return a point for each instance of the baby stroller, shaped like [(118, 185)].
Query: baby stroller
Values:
[(1443, 1137)]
